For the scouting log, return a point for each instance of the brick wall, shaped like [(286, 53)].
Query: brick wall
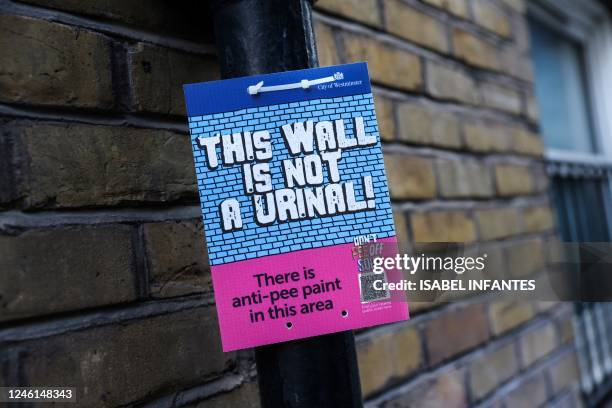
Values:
[(454, 91), (105, 284)]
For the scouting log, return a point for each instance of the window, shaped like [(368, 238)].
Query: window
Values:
[(571, 49), (561, 83)]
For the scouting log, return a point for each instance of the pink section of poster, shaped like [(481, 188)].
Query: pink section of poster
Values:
[(299, 294)]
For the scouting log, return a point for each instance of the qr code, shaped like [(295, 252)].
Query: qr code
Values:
[(368, 293)]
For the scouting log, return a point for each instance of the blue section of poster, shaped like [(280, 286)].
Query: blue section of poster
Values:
[(227, 108)]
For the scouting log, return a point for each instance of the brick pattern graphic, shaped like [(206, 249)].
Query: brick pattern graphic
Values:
[(224, 182)]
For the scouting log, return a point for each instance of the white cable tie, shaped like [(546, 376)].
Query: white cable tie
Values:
[(304, 84), (253, 89)]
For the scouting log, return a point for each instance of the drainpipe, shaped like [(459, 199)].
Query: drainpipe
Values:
[(258, 37)]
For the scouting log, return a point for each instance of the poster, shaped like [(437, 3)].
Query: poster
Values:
[(294, 202)]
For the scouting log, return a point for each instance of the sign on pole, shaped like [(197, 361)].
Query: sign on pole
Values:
[(295, 203)]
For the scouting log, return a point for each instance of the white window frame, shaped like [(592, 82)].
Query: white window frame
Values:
[(588, 23)]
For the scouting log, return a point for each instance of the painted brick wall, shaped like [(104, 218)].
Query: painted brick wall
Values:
[(254, 241), (99, 215)]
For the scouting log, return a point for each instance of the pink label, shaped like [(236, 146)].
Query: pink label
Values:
[(301, 294)]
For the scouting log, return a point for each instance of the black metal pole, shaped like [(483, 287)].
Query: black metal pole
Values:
[(257, 37)]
